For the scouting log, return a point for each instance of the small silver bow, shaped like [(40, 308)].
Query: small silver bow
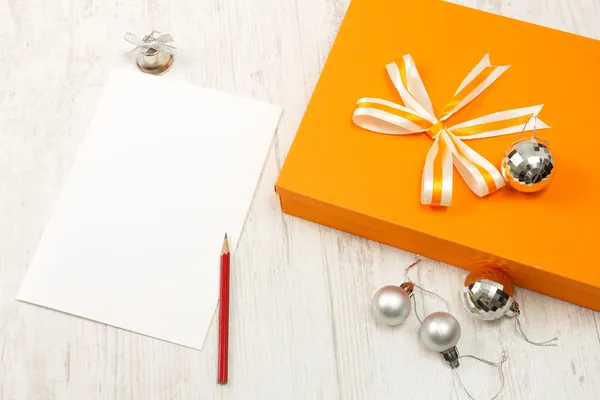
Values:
[(155, 40)]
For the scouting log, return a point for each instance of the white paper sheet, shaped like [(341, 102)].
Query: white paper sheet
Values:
[(165, 169)]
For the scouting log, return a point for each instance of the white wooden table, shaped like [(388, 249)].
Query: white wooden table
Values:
[(301, 326)]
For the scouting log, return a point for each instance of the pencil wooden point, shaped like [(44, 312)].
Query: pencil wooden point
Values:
[(225, 248)]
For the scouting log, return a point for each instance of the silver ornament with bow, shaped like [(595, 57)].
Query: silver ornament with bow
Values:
[(153, 52)]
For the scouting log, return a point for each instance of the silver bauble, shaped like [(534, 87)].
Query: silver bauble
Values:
[(528, 165), (154, 52), (488, 300), (392, 305), (440, 331)]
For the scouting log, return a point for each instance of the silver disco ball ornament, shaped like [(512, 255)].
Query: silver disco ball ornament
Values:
[(488, 294), (528, 165)]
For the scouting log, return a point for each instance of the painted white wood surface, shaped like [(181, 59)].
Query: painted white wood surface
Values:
[(301, 323)]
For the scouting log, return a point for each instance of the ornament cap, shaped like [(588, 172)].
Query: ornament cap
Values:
[(514, 310), (451, 355), (408, 287)]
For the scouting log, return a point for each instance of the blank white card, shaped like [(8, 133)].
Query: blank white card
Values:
[(165, 169)]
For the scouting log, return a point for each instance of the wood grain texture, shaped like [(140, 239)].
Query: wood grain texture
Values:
[(301, 325)]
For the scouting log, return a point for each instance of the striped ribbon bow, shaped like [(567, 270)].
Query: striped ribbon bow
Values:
[(448, 146)]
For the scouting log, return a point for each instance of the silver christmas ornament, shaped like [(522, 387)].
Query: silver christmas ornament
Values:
[(487, 301), (488, 294), (528, 165), (392, 305), (153, 53), (440, 332)]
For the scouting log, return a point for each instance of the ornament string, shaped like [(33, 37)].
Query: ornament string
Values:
[(535, 120), (498, 365), (414, 262), (490, 363), (519, 331)]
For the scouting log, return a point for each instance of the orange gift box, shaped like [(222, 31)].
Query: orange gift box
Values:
[(341, 175)]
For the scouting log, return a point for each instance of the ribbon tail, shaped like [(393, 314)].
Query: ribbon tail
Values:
[(479, 174), (478, 80), (436, 189), (500, 123), (164, 47), (165, 38), (132, 38), (481, 65)]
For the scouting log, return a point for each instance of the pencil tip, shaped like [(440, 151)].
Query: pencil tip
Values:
[(225, 248)]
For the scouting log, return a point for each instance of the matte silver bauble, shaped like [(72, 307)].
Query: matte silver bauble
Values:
[(392, 305), (528, 165), (440, 331)]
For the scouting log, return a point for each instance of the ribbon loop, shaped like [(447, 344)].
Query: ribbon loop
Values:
[(448, 148)]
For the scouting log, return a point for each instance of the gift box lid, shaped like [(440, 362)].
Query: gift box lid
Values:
[(334, 166)]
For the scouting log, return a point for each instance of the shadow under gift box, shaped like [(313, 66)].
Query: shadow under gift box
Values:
[(340, 175)]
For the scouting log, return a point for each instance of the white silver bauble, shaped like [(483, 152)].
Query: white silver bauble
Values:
[(440, 332), (392, 305), (528, 165)]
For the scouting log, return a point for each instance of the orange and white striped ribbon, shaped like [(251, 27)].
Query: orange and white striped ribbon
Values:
[(417, 115)]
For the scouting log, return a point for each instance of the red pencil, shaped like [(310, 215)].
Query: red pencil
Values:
[(224, 315)]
